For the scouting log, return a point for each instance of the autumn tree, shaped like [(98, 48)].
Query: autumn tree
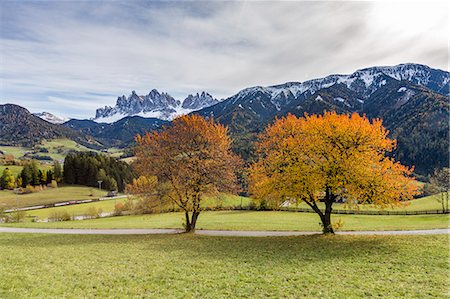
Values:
[(190, 158), (329, 158), (7, 180)]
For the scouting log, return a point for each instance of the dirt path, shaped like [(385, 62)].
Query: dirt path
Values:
[(233, 233)]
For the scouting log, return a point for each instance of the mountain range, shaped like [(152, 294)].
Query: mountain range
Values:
[(412, 100), (153, 105)]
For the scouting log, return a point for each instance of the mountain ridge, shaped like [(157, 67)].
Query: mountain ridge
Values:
[(153, 105), (412, 101)]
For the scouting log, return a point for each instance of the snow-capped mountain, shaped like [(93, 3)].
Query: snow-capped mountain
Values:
[(411, 99), (154, 105), (359, 86), (51, 118), (199, 101)]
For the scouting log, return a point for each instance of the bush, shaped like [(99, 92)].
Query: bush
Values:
[(119, 208), (16, 216), (338, 224), (28, 189), (92, 212), (59, 216), (54, 184)]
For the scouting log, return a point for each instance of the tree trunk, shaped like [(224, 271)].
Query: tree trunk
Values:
[(187, 225), (446, 201), (192, 222), (326, 219)]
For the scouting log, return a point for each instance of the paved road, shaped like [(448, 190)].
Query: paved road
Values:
[(234, 233)]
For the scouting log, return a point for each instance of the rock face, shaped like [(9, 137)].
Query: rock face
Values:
[(199, 101), (51, 118), (154, 105)]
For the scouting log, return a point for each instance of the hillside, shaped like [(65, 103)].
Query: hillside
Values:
[(19, 127), (120, 133)]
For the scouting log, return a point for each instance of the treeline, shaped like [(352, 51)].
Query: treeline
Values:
[(32, 175), (88, 168)]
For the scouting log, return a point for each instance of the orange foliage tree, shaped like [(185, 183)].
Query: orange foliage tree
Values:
[(327, 158), (190, 158)]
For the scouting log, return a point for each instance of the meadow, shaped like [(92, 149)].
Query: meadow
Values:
[(49, 195), (57, 149), (426, 203), (192, 266), (226, 220), (251, 220)]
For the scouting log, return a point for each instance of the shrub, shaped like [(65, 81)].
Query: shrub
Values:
[(59, 216), (54, 184), (16, 216), (28, 189), (92, 212), (119, 208), (338, 224)]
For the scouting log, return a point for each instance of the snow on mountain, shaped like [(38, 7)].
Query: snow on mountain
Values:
[(51, 118), (199, 101), (364, 82), (154, 105)]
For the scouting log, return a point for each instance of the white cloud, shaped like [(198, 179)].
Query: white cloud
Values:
[(54, 54)]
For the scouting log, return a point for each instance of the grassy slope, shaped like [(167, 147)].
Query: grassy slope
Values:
[(253, 220), (76, 210), (50, 195), (16, 151), (57, 148), (65, 145), (67, 193), (189, 266), (15, 169)]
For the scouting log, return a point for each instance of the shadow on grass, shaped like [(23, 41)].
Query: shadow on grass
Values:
[(249, 249)]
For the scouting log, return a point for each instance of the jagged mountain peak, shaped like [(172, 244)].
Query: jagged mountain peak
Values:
[(155, 105), (199, 101)]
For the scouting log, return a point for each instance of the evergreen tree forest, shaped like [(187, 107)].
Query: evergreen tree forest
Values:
[(88, 168)]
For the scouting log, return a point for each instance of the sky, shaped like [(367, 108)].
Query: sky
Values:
[(72, 57)]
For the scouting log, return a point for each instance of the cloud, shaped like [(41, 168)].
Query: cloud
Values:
[(58, 54)]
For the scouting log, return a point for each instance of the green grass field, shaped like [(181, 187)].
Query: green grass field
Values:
[(8, 199), (15, 169), (426, 203), (76, 210), (252, 220), (16, 151), (57, 149), (50, 195), (192, 266)]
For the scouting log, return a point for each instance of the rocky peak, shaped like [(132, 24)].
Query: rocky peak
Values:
[(199, 101)]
